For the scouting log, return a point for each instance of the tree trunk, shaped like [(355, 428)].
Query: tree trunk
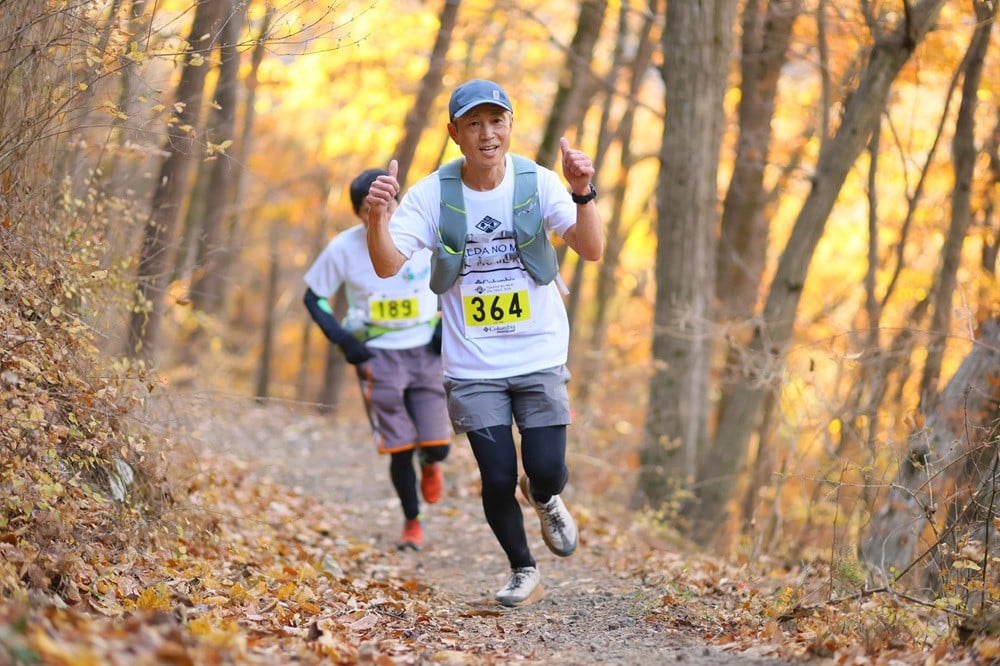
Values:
[(603, 140), (744, 230), (318, 242), (964, 154), (696, 44), (569, 107), (934, 453), (171, 186), (991, 209), (881, 376), (935, 450), (416, 119), (245, 144), (119, 170), (615, 228), (765, 357), (206, 281), (270, 300)]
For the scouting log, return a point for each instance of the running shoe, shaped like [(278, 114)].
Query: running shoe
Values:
[(558, 527), (522, 587), (413, 535), (431, 482)]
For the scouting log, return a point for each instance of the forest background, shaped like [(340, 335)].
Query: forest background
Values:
[(791, 348)]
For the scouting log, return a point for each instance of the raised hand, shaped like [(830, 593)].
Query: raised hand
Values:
[(577, 167), (384, 189), (386, 257)]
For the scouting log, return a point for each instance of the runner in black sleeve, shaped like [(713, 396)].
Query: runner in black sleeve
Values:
[(391, 335)]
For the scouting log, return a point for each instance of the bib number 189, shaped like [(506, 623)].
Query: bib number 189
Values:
[(394, 309)]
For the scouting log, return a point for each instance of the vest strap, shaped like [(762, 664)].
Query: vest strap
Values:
[(534, 249)]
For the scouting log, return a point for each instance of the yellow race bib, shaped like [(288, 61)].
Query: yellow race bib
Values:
[(495, 308), (394, 310), (401, 309)]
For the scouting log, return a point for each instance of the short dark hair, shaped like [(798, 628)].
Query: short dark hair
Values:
[(362, 183)]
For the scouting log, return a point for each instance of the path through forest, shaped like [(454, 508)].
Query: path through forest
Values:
[(599, 607)]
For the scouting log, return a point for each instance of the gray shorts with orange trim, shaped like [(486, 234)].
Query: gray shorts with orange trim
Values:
[(534, 400), (404, 396)]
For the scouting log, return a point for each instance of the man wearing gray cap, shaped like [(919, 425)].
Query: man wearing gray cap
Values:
[(487, 217)]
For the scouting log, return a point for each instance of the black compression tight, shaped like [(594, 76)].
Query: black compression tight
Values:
[(404, 478), (543, 454)]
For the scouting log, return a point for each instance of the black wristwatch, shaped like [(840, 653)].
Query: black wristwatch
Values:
[(581, 199)]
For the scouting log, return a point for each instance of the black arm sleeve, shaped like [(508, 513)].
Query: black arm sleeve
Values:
[(327, 322)]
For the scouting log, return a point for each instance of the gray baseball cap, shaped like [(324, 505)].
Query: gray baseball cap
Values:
[(475, 92)]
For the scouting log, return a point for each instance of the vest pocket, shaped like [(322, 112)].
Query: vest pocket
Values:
[(445, 267)]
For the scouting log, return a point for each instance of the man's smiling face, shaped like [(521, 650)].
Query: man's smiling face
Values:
[(483, 134)]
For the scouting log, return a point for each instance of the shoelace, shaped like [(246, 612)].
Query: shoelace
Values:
[(517, 579), (554, 517)]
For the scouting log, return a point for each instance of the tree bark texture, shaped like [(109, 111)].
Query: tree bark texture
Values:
[(934, 457), (419, 114), (568, 105), (599, 155), (964, 154), (767, 31), (171, 186), (235, 215), (862, 111), (644, 46), (991, 213), (263, 383), (696, 40), (745, 225), (206, 283)]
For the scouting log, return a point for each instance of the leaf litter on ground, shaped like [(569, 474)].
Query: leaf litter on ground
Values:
[(276, 546)]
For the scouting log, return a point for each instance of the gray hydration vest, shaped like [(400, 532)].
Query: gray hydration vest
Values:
[(533, 247)]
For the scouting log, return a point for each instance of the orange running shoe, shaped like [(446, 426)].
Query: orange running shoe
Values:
[(431, 482), (413, 535)]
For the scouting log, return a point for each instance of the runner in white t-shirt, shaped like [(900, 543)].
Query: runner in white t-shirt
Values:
[(391, 335), (506, 335)]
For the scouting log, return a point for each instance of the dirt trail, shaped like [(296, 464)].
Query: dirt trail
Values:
[(595, 606)]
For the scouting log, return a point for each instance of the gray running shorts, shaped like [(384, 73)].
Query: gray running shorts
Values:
[(404, 398), (534, 400)]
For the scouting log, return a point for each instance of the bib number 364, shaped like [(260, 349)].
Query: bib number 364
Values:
[(492, 309), (498, 308), (503, 308)]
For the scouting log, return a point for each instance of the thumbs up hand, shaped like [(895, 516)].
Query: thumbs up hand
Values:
[(577, 167), (384, 189)]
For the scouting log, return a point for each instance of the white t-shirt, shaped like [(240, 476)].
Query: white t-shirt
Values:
[(497, 321), (403, 303)]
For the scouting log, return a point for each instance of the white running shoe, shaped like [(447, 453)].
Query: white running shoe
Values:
[(558, 527), (523, 587)]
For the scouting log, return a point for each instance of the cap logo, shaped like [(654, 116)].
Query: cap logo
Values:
[(496, 95)]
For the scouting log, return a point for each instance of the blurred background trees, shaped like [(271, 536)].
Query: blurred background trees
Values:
[(790, 347)]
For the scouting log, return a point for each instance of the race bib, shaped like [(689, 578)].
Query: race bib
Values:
[(496, 308), (400, 310)]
